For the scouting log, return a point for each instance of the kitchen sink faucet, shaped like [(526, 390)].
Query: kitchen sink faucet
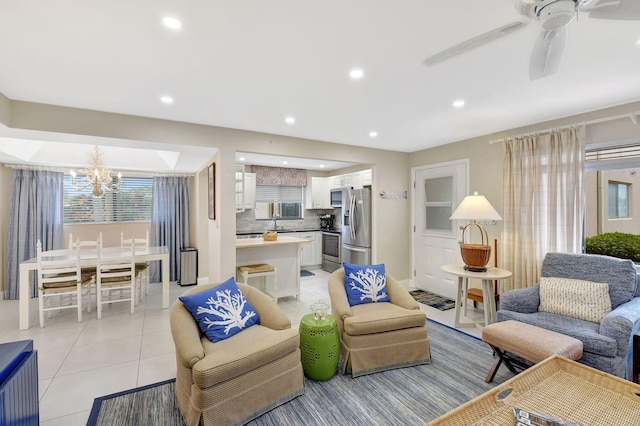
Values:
[(275, 221)]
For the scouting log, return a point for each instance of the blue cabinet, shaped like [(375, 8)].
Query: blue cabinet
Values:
[(18, 384)]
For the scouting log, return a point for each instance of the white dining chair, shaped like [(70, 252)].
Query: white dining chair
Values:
[(142, 268), (60, 277), (115, 272)]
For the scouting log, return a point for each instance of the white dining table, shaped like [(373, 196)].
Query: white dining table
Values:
[(88, 258)]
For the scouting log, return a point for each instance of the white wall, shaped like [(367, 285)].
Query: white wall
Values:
[(485, 174), (215, 239)]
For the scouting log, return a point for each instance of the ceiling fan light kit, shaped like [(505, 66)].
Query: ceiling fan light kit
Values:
[(556, 14), (553, 16)]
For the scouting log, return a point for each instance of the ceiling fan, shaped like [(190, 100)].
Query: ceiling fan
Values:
[(553, 16)]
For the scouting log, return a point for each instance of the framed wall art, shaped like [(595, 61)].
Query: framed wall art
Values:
[(212, 191)]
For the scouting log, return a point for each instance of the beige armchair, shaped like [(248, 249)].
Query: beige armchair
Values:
[(240, 378), (379, 336)]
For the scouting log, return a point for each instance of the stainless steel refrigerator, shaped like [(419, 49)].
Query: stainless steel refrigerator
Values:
[(356, 226)]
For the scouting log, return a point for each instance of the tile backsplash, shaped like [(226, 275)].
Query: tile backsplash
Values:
[(246, 221)]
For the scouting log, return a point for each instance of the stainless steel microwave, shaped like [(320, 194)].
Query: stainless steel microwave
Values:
[(336, 196)]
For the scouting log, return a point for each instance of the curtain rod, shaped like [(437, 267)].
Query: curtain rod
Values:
[(633, 116), (66, 170), (173, 175), (32, 167)]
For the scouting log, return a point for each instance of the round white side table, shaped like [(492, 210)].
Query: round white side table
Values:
[(487, 278)]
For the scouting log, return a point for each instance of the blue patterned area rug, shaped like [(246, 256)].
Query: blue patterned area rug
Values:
[(405, 396), (305, 273), (434, 300)]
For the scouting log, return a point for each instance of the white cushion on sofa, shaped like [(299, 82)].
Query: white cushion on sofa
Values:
[(585, 300)]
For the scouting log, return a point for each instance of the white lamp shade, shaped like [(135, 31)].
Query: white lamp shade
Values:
[(475, 207)]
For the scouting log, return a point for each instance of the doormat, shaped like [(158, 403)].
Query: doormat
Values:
[(305, 273), (434, 300)]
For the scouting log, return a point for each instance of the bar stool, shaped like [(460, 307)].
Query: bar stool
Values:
[(263, 270)]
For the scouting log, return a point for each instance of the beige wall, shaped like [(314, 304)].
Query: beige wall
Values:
[(391, 170), (215, 239), (485, 159), (597, 220)]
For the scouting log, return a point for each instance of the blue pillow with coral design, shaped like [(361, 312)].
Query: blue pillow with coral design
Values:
[(365, 283), (221, 311)]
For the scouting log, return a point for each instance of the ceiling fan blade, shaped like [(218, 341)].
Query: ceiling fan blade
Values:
[(547, 53), (470, 44), (623, 10)]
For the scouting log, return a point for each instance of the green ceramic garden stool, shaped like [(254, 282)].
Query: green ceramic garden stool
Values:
[(319, 344)]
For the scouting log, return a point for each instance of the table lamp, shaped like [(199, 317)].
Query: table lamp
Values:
[(475, 207)]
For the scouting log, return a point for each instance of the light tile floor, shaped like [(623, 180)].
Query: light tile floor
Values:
[(78, 362)]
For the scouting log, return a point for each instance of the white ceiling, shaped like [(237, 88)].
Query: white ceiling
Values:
[(248, 64)]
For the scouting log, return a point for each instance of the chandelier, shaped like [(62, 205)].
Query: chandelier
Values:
[(96, 177)]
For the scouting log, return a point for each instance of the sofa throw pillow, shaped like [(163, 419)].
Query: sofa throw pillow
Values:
[(365, 283), (221, 311), (585, 300)]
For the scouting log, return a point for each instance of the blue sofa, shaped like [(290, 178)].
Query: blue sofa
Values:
[(607, 346)]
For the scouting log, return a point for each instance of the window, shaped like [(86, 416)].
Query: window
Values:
[(289, 198), (438, 200), (132, 203), (618, 199)]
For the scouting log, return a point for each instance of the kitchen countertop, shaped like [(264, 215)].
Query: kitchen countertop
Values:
[(259, 242), (280, 231)]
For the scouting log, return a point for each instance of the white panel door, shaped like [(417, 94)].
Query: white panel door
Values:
[(438, 189)]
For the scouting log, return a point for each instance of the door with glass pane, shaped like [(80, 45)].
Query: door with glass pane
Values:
[(438, 189)]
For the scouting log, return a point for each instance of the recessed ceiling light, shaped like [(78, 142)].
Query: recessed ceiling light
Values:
[(285, 162), (322, 166), (241, 158), (638, 42), (356, 73), (290, 120), (172, 23), (458, 104), (373, 134), (166, 99)]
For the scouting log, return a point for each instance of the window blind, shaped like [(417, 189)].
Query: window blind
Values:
[(131, 204), (284, 194)]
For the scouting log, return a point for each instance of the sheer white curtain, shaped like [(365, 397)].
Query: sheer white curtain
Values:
[(543, 200)]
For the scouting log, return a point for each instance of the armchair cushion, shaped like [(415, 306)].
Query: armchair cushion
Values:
[(255, 347), (372, 318), (619, 273), (579, 299), (221, 311), (365, 283)]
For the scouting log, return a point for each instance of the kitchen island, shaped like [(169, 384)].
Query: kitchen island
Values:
[(283, 254)]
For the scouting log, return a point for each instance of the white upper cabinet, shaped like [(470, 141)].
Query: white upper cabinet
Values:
[(245, 189), (249, 190), (367, 177), (355, 180), (317, 193)]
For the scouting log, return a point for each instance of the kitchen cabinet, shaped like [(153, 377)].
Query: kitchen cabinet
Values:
[(245, 191), (347, 180), (335, 182), (249, 190), (355, 180), (307, 254), (311, 253), (367, 177), (317, 193), (317, 243)]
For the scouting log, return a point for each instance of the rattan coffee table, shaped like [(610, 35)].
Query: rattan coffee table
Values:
[(556, 387)]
